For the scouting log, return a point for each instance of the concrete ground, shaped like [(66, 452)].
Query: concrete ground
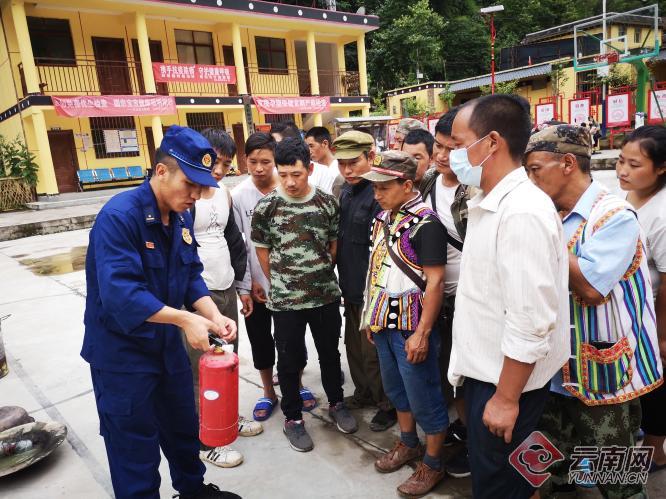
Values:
[(42, 286)]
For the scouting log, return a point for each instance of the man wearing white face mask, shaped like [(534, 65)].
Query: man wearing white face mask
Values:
[(510, 329)]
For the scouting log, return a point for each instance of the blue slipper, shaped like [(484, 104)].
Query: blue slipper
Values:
[(306, 394), (264, 404)]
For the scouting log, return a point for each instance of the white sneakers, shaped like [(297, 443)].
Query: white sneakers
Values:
[(226, 457), (249, 428)]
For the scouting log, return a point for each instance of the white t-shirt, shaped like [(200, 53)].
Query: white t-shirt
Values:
[(444, 199), (211, 217), (652, 217), (324, 177), (246, 196)]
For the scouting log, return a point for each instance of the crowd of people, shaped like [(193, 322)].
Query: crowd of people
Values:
[(481, 270)]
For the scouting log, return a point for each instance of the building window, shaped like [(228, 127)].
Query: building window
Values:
[(201, 121), (114, 137), (271, 55), (195, 47), (621, 30), (279, 118), (406, 105), (638, 35), (51, 41)]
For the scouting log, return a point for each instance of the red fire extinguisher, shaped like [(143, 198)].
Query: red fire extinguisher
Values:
[(218, 395)]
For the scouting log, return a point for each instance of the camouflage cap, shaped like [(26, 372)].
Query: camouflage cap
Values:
[(352, 144), (406, 125), (391, 165), (562, 139)]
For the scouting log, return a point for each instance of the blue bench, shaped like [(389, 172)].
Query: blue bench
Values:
[(106, 175)]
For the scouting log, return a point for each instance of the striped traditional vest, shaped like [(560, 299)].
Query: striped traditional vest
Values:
[(393, 300), (614, 348)]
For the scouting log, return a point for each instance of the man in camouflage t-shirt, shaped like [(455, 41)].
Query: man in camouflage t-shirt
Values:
[(294, 230)]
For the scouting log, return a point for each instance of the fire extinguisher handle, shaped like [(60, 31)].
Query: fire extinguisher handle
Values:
[(216, 340)]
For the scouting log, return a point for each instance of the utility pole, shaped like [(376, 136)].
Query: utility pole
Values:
[(491, 11)]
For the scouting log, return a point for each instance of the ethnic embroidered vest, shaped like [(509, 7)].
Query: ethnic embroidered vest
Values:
[(614, 348), (392, 299)]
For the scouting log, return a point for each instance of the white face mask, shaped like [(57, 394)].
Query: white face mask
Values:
[(467, 173)]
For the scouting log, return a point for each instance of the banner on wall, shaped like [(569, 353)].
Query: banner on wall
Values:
[(617, 110), (579, 111), (544, 112), (290, 105), (194, 73), (657, 104), (114, 105)]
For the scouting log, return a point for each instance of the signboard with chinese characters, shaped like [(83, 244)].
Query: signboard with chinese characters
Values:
[(544, 112), (579, 111), (290, 105), (114, 105), (617, 110), (194, 73), (657, 107)]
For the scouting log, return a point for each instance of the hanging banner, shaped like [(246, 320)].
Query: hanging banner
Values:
[(544, 112), (617, 110), (290, 105), (657, 107), (114, 105), (194, 73), (579, 111)]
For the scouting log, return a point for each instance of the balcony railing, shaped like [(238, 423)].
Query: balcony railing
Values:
[(86, 76)]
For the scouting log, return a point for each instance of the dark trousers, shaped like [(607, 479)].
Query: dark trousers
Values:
[(363, 361), (492, 474), (445, 325), (325, 323), (139, 413), (654, 409), (258, 326)]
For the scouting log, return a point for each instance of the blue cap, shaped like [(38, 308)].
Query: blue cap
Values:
[(193, 152)]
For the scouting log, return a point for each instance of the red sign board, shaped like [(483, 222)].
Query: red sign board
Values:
[(114, 105), (657, 107), (194, 73), (609, 57), (290, 105)]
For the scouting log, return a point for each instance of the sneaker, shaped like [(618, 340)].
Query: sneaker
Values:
[(209, 491), (455, 433), (422, 481), (224, 457), (397, 457), (247, 428), (383, 420), (343, 419), (458, 465), (298, 437)]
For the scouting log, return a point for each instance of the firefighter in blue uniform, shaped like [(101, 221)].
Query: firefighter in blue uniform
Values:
[(141, 268)]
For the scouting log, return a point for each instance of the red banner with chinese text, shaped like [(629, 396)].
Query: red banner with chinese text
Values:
[(114, 105), (194, 73), (290, 105)]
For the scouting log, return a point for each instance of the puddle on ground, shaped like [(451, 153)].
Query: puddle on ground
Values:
[(60, 263)]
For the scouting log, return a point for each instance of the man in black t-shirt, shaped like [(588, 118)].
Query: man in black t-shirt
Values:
[(402, 303)]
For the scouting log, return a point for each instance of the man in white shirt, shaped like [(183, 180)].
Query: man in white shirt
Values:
[(510, 330), (318, 140), (213, 220)]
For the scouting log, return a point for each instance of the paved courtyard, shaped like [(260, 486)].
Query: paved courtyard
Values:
[(42, 286)]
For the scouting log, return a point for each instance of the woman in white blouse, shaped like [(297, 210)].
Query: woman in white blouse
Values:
[(641, 169)]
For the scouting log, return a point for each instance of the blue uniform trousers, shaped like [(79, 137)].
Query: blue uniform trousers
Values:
[(140, 413)]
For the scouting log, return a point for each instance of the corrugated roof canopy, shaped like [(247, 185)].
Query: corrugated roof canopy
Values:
[(512, 74)]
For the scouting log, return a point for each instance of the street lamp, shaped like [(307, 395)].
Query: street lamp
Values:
[(491, 11)]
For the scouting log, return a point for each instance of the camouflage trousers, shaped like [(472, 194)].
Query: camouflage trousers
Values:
[(568, 422)]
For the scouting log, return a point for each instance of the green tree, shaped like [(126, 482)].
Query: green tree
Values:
[(411, 41), (501, 87)]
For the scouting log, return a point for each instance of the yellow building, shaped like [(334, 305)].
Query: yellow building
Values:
[(543, 68), (95, 48)]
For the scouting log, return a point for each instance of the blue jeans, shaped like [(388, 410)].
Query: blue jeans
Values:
[(414, 388)]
